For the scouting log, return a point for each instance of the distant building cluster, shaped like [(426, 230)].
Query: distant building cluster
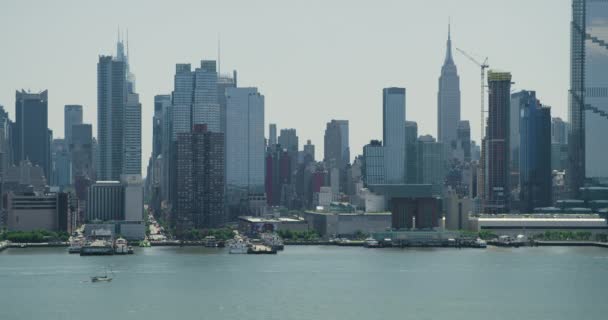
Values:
[(212, 163)]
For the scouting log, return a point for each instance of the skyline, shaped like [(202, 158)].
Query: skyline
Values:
[(277, 64)]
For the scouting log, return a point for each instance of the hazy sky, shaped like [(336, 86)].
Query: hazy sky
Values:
[(313, 60)]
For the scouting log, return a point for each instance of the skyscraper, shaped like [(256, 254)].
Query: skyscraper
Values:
[(245, 139), (411, 145), (31, 138), (448, 99), (224, 81), (272, 134), (336, 148), (60, 163), (309, 151), (374, 170), (6, 147), (81, 150), (132, 135), (431, 161), (497, 194), (206, 108), (288, 139), (393, 134), (588, 94), (161, 103), (72, 116), (535, 154), (559, 131), (111, 99)]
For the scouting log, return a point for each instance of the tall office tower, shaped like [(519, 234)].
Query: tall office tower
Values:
[(245, 139), (72, 115), (393, 134), (81, 150), (200, 169), (374, 170), (288, 139), (498, 145), (535, 154), (448, 99), (336, 147), (411, 147), (272, 134), (309, 152), (60, 163), (161, 103), (31, 138), (132, 135), (559, 131), (224, 81), (205, 108), (105, 201), (111, 99), (588, 100), (431, 161), (464, 139), (6, 149)]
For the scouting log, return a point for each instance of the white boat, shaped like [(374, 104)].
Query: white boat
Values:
[(104, 278), (371, 243), (121, 246), (272, 240), (479, 243), (238, 246)]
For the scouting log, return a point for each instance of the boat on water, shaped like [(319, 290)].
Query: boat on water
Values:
[(97, 248), (260, 249), (272, 240), (479, 243), (104, 278), (238, 246), (371, 243), (210, 242), (145, 244), (121, 246)]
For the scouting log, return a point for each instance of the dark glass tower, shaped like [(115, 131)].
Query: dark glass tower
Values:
[(31, 139)]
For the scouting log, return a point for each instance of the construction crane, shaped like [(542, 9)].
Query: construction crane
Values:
[(484, 65)]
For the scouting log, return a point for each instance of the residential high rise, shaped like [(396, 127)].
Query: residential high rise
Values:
[(448, 99), (374, 170), (206, 108), (245, 139), (497, 195), (72, 115), (200, 170), (518, 101), (393, 134), (32, 138), (111, 100), (535, 154), (588, 97)]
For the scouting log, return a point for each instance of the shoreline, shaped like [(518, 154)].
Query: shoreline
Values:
[(6, 245)]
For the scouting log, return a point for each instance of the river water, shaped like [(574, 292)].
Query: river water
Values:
[(308, 283)]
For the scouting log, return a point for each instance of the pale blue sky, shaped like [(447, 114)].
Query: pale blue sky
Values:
[(313, 60)]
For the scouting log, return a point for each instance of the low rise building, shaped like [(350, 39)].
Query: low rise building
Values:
[(531, 224), (37, 211), (334, 223), (254, 225)]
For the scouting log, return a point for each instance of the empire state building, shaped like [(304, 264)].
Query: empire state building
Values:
[(448, 99)]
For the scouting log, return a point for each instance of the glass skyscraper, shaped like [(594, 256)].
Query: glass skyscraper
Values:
[(393, 134), (588, 99)]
